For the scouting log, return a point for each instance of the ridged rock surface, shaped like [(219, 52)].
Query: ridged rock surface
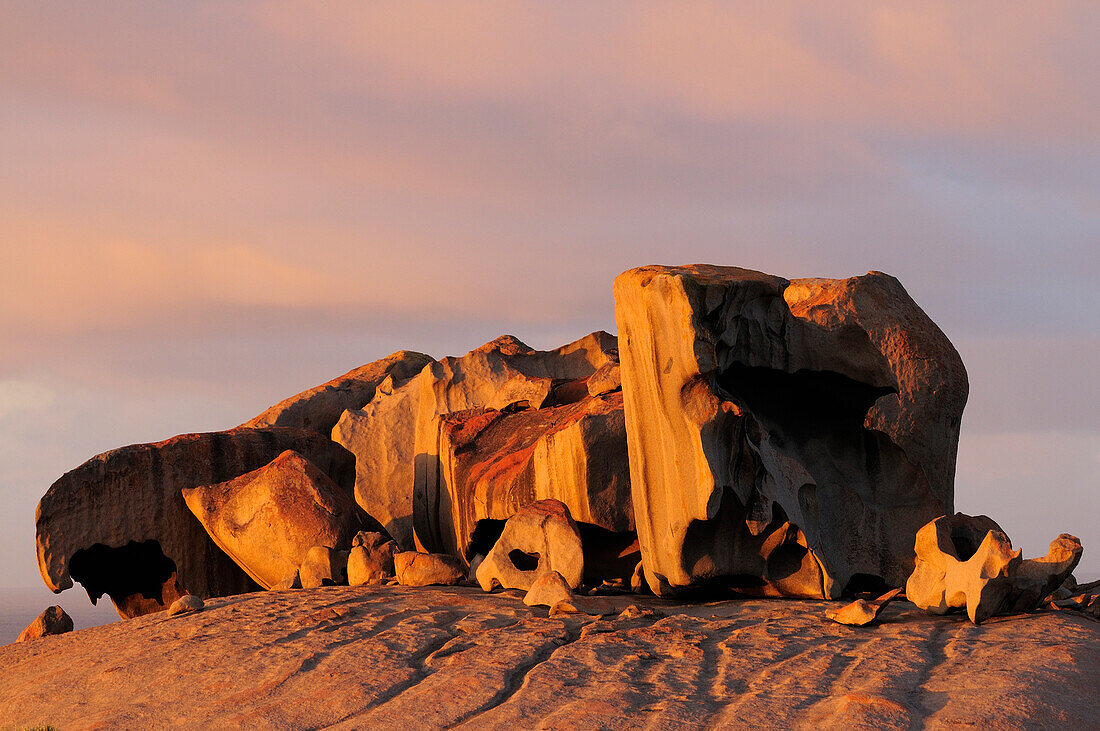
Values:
[(268, 519), (394, 437), (493, 463), (376, 657), (320, 407), (130, 497), (798, 433)]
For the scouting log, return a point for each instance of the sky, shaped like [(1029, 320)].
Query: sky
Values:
[(207, 207)]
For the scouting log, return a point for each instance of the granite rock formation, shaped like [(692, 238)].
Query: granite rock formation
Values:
[(540, 538), (320, 407), (268, 519), (53, 621), (426, 569), (967, 562), (371, 559), (394, 437), (785, 437), (118, 523), (323, 566), (493, 463)]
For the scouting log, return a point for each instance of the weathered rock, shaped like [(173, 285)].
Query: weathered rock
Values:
[(547, 590), (967, 562), (52, 621), (266, 520), (371, 559), (607, 378), (323, 566), (119, 521), (492, 463), (394, 436), (861, 612), (785, 437), (425, 569), (186, 604), (540, 538), (320, 407)]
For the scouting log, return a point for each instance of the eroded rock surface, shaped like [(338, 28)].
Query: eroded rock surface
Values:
[(786, 437), (320, 407), (120, 523), (383, 657), (266, 520), (540, 538), (493, 463), (394, 437), (967, 562)]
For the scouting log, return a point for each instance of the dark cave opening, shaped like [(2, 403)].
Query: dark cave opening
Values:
[(136, 576)]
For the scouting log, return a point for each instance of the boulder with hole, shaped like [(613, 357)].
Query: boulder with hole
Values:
[(539, 538)]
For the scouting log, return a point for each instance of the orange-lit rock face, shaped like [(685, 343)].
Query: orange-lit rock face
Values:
[(785, 437), (967, 562), (268, 519), (493, 463), (394, 437), (133, 495)]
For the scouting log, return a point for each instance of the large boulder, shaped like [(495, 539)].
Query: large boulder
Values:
[(394, 436), (320, 407), (53, 621), (492, 463), (118, 523), (425, 569), (785, 437), (268, 519)]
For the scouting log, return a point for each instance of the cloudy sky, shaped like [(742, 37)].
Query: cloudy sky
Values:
[(205, 207)]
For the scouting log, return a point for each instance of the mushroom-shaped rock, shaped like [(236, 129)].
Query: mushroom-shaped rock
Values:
[(493, 462), (319, 408), (967, 562), (539, 538), (53, 621), (266, 520), (425, 569), (394, 436), (371, 559), (185, 605), (790, 433), (861, 612), (323, 566), (119, 521)]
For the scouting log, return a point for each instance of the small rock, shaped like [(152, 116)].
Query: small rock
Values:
[(861, 612), (424, 569), (186, 603), (371, 559), (53, 621), (548, 590)]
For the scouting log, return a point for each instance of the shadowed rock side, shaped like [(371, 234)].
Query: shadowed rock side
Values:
[(785, 437), (320, 407), (394, 437), (268, 519), (375, 657), (493, 463), (120, 520)]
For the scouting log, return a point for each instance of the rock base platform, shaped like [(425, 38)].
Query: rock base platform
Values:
[(397, 657)]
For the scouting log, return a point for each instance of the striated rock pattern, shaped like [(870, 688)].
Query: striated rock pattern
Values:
[(266, 520), (320, 407), (493, 463), (394, 437), (388, 657), (53, 621), (120, 523), (967, 562), (785, 437), (540, 538)]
